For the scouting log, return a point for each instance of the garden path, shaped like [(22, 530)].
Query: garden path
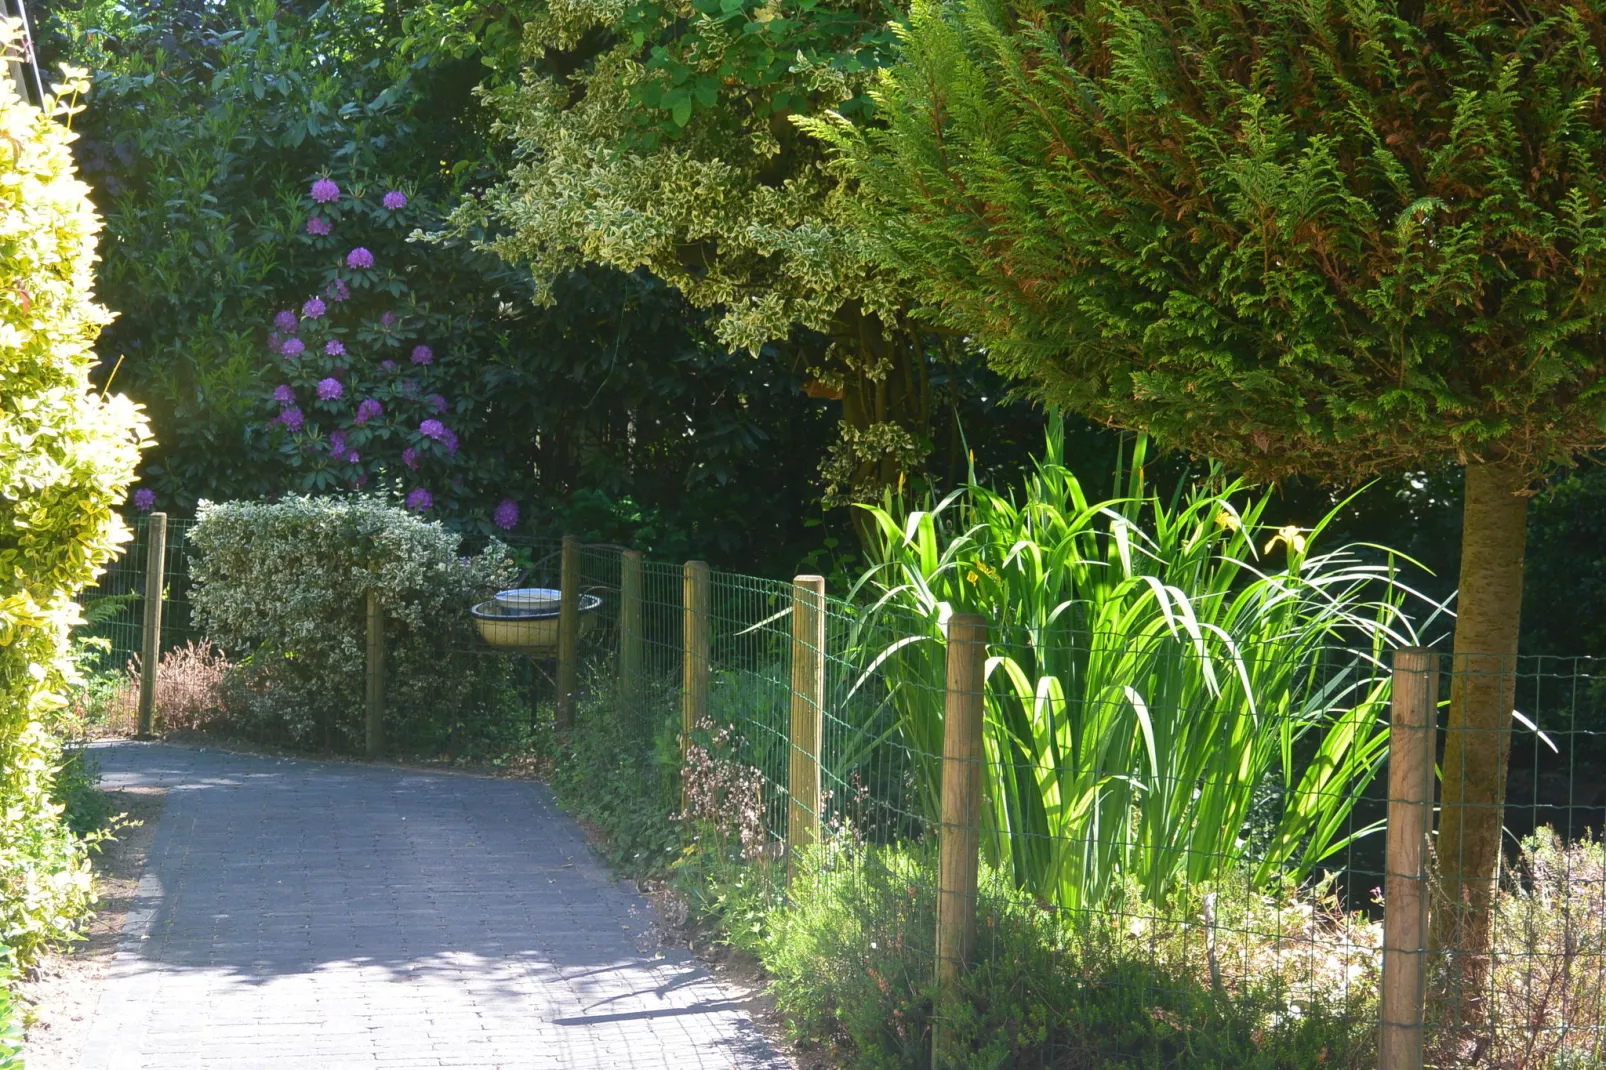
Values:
[(300, 914)]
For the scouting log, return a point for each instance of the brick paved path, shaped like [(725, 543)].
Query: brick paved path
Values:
[(302, 915)]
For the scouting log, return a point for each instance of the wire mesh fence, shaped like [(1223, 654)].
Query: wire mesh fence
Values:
[(1176, 838)]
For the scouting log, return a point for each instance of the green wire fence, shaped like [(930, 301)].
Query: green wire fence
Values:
[(1141, 800)]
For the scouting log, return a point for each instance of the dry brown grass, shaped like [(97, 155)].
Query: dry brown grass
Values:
[(189, 691)]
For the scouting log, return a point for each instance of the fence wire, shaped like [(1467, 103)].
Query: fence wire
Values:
[(1181, 841)]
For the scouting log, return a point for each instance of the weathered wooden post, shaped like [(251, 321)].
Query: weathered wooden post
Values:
[(150, 651), (808, 704), (694, 653), (630, 627), (1413, 720), (374, 681), (568, 632), (959, 836)]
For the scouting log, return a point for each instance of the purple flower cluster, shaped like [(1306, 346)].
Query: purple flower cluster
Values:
[(368, 410), (318, 226), (434, 429), (359, 258), (293, 347), (335, 347), (420, 499), (339, 291), (410, 457), (395, 199), (292, 418), (314, 308), (387, 320), (284, 394), (506, 516), (324, 191), (144, 499), (423, 355), (436, 403), (330, 389), (285, 320)]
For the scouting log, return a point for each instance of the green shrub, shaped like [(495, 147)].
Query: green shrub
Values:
[(67, 453), (283, 587), (851, 955)]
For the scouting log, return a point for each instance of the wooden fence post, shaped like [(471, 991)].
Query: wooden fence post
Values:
[(959, 840), (630, 626), (374, 682), (150, 652), (1413, 718), (694, 657), (808, 703), (568, 633)]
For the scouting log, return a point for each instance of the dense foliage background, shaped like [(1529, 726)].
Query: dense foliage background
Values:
[(613, 411)]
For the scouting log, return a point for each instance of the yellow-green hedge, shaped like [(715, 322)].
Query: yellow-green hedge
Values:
[(67, 454)]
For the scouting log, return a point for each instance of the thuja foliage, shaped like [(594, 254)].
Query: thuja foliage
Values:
[(1342, 239), (67, 454)]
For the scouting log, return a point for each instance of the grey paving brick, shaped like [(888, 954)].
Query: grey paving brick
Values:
[(301, 914)]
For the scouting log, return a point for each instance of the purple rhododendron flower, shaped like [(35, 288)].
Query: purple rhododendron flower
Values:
[(432, 429), (293, 347), (284, 394), (395, 199), (335, 347), (339, 291), (337, 444), (436, 402), (449, 437), (330, 389), (318, 226), (388, 365), (388, 320), (144, 499), (352, 457), (314, 308), (506, 515), (292, 418), (324, 191), (285, 320), (420, 499), (410, 457), (423, 355), (359, 258), (368, 410)]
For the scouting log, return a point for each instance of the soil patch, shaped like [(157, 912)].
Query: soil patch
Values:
[(63, 990)]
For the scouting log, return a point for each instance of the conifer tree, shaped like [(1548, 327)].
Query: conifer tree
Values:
[(1337, 238)]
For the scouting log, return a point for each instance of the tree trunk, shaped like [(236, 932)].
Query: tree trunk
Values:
[(886, 412), (1478, 739)]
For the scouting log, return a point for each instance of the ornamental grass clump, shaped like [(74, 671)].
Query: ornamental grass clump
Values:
[(282, 588), (1175, 690), (67, 456)]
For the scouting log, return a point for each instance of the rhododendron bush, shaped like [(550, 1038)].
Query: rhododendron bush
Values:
[(283, 588)]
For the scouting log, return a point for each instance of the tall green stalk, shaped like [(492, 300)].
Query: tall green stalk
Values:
[(1162, 702)]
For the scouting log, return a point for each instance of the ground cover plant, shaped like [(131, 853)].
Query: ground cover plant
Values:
[(297, 650), (67, 455)]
